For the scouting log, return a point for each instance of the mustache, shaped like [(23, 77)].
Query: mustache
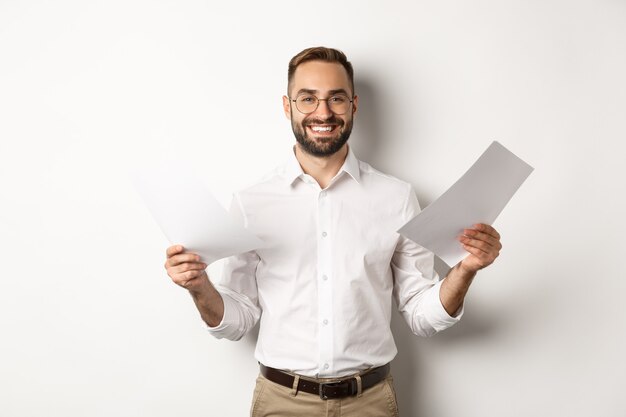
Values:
[(330, 120)]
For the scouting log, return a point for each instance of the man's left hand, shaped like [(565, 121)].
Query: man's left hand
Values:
[(483, 244)]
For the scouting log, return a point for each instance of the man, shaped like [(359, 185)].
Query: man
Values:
[(323, 284)]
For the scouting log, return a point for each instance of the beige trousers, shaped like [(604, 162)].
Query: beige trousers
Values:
[(274, 400)]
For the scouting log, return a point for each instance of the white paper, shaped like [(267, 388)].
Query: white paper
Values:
[(477, 197), (187, 212)]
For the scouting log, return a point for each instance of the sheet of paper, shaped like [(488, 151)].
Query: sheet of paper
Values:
[(187, 212), (477, 197)]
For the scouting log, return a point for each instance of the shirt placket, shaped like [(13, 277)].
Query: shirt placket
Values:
[(324, 284)]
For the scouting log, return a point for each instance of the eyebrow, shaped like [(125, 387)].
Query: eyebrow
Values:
[(330, 93)]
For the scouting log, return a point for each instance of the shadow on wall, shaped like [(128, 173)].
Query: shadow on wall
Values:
[(408, 366), (249, 340), (368, 123), (371, 139)]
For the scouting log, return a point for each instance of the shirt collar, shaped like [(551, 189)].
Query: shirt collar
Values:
[(293, 170), (351, 166)]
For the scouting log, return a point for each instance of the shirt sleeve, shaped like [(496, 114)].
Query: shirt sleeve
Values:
[(417, 284), (238, 289)]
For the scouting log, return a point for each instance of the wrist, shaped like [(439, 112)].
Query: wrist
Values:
[(465, 270), (464, 273), (201, 288)]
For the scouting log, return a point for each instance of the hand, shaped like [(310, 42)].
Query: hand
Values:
[(483, 244), (185, 269)]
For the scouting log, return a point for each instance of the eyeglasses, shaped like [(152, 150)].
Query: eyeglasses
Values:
[(308, 103)]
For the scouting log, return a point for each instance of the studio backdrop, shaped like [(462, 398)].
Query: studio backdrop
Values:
[(91, 325)]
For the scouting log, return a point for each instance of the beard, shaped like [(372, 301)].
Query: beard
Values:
[(322, 146)]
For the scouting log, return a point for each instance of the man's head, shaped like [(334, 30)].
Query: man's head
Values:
[(320, 100)]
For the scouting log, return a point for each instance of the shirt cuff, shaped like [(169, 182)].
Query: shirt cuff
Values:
[(230, 314), (437, 316)]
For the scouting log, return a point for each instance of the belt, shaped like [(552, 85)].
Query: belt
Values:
[(328, 390)]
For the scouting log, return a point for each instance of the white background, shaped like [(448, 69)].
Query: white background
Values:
[(90, 324)]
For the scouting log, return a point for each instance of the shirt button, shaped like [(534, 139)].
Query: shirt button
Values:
[(324, 234), (325, 277), (326, 366), (323, 194), (325, 322)]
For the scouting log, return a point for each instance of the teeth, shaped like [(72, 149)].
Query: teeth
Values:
[(321, 128)]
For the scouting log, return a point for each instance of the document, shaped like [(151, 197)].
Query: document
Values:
[(187, 212), (477, 197)]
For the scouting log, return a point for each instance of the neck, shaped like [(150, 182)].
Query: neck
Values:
[(322, 168)]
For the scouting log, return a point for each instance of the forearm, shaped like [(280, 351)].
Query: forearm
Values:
[(209, 303), (483, 244), (454, 288)]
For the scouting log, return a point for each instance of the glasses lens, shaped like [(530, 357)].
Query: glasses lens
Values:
[(339, 104), (306, 103)]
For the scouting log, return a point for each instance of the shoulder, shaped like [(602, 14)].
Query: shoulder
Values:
[(388, 193), (383, 182), (271, 183)]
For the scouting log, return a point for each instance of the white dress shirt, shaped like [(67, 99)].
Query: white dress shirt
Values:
[(323, 284)]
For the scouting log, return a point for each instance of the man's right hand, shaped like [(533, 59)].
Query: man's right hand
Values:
[(186, 269)]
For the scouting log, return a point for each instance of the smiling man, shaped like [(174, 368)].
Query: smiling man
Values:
[(323, 285), (321, 131)]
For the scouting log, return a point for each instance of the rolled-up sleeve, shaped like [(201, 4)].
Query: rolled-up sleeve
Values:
[(238, 289), (417, 285)]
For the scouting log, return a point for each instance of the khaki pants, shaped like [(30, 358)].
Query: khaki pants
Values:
[(274, 400)]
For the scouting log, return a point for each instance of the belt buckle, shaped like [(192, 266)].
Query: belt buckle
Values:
[(351, 383)]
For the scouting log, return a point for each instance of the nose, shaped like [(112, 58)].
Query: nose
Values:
[(323, 109)]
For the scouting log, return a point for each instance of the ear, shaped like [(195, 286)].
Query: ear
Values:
[(355, 104), (287, 107)]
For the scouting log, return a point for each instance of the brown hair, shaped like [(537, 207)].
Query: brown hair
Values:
[(320, 53)]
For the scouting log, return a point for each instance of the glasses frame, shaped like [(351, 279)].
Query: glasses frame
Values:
[(318, 103)]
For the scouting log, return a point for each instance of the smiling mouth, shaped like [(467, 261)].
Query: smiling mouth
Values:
[(322, 128)]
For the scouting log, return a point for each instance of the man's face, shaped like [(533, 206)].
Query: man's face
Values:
[(322, 132)]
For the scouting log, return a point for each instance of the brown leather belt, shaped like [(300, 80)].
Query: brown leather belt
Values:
[(328, 390)]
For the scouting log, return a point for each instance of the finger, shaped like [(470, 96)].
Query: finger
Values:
[(173, 250), (474, 234), (480, 254), (186, 277), (486, 254), (182, 258), (490, 246), (476, 245), (484, 259), (188, 266), (485, 228)]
